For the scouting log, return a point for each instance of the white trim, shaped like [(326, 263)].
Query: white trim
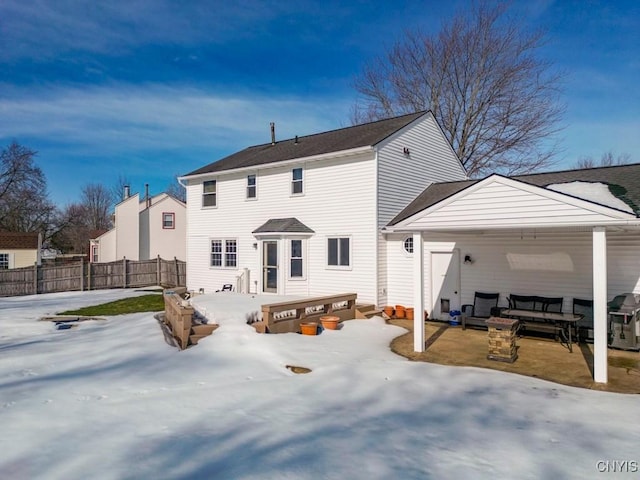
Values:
[(418, 293), (340, 154), (326, 253), (600, 305), (617, 216)]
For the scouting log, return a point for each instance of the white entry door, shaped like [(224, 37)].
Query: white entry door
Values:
[(445, 284)]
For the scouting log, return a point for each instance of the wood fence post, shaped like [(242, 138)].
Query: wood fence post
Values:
[(35, 277), (158, 273), (89, 268), (175, 261), (124, 272), (82, 274)]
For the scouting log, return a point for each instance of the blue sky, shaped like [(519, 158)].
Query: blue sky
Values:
[(146, 89)]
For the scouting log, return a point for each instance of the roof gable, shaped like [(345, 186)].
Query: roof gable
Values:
[(500, 202), (363, 135), (623, 182)]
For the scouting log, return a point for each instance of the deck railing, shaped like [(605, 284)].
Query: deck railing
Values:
[(285, 317)]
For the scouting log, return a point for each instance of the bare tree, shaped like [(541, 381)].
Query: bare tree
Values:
[(24, 202), (117, 190), (177, 190), (96, 200), (496, 101), (607, 159)]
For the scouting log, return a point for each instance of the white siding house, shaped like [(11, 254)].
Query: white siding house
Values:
[(572, 234), (303, 216), (155, 226)]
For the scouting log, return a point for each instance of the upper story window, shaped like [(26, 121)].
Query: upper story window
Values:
[(224, 253), (4, 261), (339, 252), (296, 181), (94, 254), (408, 244), (251, 186), (168, 220), (209, 194)]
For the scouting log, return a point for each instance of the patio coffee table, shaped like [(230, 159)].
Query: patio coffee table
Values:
[(563, 323)]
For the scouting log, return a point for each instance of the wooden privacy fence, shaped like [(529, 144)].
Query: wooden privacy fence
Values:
[(92, 276)]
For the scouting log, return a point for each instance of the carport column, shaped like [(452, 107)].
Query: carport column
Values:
[(418, 293), (600, 305)]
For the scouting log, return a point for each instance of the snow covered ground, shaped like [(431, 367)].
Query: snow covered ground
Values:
[(111, 400)]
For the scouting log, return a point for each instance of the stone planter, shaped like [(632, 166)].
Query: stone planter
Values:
[(502, 339), (330, 322)]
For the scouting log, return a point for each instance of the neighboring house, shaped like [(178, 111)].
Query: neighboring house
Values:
[(155, 226), (304, 215), (574, 234), (19, 249)]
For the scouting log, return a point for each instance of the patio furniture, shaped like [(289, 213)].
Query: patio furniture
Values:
[(560, 324), (484, 306), (227, 287), (584, 326)]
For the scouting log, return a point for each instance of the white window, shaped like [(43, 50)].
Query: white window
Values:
[(251, 186), (339, 252), (4, 261), (296, 267), (94, 254), (408, 244), (296, 181), (224, 253), (168, 220), (209, 195)]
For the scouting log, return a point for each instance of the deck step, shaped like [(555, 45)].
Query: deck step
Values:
[(368, 311)]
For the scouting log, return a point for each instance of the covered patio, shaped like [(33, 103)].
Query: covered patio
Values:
[(538, 357), (573, 234)]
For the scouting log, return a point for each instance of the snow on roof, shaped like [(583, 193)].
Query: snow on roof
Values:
[(593, 192)]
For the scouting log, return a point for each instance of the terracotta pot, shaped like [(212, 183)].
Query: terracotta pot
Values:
[(400, 311), (409, 313), (309, 328), (388, 311), (330, 322)]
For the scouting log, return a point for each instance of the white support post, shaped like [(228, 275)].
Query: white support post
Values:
[(418, 293), (600, 319)]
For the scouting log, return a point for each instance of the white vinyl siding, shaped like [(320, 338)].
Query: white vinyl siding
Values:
[(328, 188)]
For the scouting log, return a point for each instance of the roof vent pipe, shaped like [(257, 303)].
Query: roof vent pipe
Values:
[(296, 140), (146, 195), (127, 192), (273, 133)]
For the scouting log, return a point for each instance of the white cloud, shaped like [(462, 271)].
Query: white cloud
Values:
[(153, 117)]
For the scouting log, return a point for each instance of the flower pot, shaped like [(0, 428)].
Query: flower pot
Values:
[(409, 313), (388, 311), (330, 322), (400, 311), (309, 328)]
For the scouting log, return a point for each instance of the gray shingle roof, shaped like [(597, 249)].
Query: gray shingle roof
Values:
[(19, 240), (366, 134), (623, 181), (283, 225)]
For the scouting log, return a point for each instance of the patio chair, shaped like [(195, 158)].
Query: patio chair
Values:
[(584, 326), (552, 304), (227, 287), (484, 305), (523, 302)]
